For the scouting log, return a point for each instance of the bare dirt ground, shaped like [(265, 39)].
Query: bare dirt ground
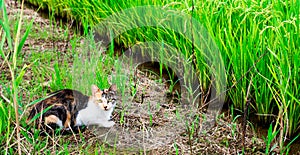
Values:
[(155, 133)]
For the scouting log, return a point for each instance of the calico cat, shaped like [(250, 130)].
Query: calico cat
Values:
[(70, 110)]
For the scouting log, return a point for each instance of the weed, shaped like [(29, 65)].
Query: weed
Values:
[(270, 139)]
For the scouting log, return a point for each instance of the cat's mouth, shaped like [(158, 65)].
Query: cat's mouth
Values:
[(106, 109)]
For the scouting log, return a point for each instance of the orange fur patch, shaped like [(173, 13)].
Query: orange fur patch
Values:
[(69, 96), (68, 120), (51, 119), (98, 95)]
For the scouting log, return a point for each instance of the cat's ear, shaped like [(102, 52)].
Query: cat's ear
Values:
[(113, 87), (95, 90)]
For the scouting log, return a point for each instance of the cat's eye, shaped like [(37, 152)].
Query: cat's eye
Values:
[(111, 100), (100, 100)]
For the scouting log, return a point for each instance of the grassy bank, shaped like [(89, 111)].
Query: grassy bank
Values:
[(258, 40)]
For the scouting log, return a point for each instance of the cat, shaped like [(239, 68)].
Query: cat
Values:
[(70, 110)]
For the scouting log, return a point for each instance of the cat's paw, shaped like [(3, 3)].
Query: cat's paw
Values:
[(108, 124)]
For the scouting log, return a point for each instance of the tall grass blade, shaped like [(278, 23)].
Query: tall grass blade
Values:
[(21, 44), (5, 25)]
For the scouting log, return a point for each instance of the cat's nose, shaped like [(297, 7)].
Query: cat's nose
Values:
[(105, 107)]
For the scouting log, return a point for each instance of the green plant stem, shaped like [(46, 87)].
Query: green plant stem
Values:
[(15, 89)]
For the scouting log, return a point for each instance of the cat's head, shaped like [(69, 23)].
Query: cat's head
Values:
[(105, 99)]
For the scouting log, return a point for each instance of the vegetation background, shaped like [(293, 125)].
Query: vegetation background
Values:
[(258, 40)]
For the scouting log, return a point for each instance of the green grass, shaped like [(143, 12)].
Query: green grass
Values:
[(258, 40)]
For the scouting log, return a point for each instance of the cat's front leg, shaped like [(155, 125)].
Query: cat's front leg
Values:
[(108, 124), (102, 123)]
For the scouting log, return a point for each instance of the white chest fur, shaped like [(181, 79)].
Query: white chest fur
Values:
[(94, 115)]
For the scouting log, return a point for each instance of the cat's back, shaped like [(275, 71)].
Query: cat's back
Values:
[(67, 98), (64, 96)]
